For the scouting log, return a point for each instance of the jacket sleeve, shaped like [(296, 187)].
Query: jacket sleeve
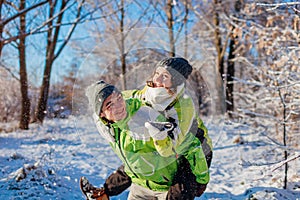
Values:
[(103, 130), (117, 182), (189, 143), (206, 142), (164, 147), (189, 122), (184, 117), (139, 94)]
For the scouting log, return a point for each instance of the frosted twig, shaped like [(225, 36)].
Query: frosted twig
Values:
[(273, 167), (278, 165), (276, 5)]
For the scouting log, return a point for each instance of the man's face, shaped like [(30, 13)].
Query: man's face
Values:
[(114, 108), (162, 78)]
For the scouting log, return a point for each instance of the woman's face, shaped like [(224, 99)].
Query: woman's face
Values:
[(162, 78), (114, 108)]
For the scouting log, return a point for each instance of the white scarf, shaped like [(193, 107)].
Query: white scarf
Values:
[(159, 98)]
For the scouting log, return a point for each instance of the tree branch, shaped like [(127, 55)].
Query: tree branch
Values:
[(4, 22), (277, 166), (75, 23), (10, 72)]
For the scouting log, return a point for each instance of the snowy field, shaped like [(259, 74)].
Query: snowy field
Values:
[(47, 161)]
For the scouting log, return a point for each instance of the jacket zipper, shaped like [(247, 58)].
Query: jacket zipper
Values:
[(122, 154)]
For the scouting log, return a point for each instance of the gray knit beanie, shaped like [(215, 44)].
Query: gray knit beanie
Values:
[(179, 68), (97, 93)]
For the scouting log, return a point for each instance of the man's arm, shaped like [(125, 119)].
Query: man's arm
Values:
[(117, 182)]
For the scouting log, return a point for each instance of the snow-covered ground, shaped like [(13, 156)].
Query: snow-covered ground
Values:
[(47, 161)]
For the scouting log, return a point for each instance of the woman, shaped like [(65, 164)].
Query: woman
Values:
[(165, 92)]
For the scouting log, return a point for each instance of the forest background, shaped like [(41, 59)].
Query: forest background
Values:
[(245, 55)]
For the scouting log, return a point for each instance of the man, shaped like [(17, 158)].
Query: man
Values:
[(149, 174)]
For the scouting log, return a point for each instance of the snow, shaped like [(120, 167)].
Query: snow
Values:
[(47, 161)]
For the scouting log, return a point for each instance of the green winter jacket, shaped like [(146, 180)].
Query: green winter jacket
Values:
[(185, 143), (143, 164)]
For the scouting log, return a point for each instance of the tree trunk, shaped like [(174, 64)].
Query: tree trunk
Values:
[(41, 109), (218, 41), (44, 92), (186, 29), (1, 28), (283, 101), (229, 77), (230, 63), (25, 112), (18, 14), (170, 27), (219, 70), (123, 55)]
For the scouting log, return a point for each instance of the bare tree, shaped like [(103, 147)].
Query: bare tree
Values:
[(173, 15), (56, 10), (118, 25), (8, 18), (170, 22), (51, 26), (233, 41), (268, 90), (10, 98), (226, 41), (25, 112), (187, 5), (5, 36), (122, 42), (209, 28), (218, 37), (220, 55)]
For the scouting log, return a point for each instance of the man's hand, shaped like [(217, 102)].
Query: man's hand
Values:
[(91, 192)]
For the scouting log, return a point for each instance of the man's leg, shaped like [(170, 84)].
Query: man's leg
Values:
[(140, 193)]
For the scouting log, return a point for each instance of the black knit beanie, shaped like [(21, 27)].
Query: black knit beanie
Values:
[(97, 93), (179, 68)]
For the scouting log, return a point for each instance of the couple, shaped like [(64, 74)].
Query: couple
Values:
[(162, 143)]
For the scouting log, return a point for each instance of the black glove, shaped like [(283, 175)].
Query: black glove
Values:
[(91, 192)]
